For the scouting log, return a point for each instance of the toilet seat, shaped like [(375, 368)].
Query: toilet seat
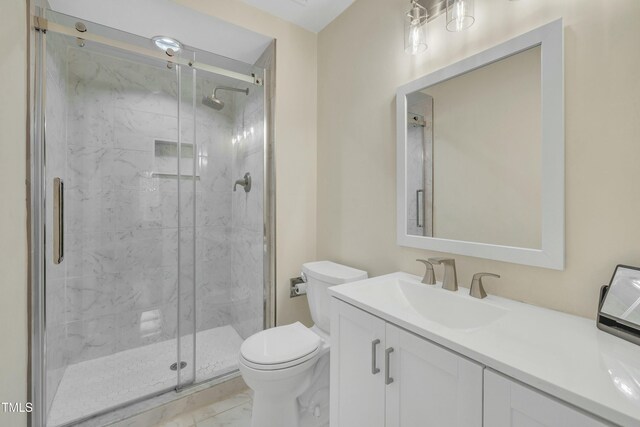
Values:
[(281, 347), (280, 366)]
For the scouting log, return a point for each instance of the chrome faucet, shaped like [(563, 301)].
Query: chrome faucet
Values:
[(477, 290), (429, 276), (450, 279)]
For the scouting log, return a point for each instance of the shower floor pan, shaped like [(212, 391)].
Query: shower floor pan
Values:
[(95, 385)]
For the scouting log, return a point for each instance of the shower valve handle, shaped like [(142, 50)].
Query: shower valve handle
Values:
[(244, 182)]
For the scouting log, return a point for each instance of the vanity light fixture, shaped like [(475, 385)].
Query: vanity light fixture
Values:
[(459, 15), (415, 29)]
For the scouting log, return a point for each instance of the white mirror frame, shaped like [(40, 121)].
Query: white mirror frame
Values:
[(551, 254)]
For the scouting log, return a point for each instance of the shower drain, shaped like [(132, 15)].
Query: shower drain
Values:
[(174, 367)]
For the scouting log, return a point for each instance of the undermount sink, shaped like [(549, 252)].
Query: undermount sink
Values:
[(455, 310)]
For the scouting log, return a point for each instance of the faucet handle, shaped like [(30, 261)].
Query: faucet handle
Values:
[(477, 289), (245, 182), (429, 276)]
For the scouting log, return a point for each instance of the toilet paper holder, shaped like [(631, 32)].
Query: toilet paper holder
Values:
[(298, 286)]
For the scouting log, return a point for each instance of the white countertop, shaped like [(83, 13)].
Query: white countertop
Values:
[(563, 355)]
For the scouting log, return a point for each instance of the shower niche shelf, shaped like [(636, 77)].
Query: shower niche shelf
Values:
[(165, 156)]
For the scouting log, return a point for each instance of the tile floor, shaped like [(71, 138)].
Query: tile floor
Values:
[(98, 384), (234, 411)]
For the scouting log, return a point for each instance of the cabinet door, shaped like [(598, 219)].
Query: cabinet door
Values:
[(432, 387), (357, 373), (508, 403)]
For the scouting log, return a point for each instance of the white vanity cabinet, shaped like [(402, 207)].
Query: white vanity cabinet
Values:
[(382, 375), (357, 377), (508, 403), (404, 354), (431, 386)]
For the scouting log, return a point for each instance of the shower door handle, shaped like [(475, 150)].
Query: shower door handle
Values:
[(418, 204), (58, 220)]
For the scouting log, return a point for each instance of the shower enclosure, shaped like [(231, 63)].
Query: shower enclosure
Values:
[(149, 266)]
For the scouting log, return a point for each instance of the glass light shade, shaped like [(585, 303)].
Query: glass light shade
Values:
[(459, 14), (415, 30), (164, 43)]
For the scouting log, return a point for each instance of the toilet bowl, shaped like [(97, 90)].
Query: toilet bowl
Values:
[(287, 367)]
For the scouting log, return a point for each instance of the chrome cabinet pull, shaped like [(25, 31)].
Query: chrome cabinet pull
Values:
[(374, 369), (387, 378), (58, 220)]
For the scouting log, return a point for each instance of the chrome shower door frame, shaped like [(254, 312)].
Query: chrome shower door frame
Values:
[(36, 211)]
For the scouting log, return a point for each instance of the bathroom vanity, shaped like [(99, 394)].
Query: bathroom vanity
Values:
[(408, 354)]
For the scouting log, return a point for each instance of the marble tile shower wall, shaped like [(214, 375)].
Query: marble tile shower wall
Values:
[(213, 208), (247, 222), (118, 284)]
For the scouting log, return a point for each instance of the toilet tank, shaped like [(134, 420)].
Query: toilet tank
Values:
[(320, 276)]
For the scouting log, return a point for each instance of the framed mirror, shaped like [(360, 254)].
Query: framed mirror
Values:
[(480, 154)]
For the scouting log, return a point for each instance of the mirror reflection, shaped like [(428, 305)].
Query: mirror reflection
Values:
[(474, 166), (623, 297)]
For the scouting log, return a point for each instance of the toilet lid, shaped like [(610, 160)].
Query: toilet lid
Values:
[(280, 345)]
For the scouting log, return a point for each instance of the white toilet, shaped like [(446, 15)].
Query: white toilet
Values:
[(287, 367)]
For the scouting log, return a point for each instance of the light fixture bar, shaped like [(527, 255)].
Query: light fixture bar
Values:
[(434, 8), (42, 24)]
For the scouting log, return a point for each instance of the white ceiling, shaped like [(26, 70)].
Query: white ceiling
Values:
[(148, 18), (313, 15)]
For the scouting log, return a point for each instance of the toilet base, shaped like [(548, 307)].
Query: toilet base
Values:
[(275, 411), (298, 398), (275, 393)]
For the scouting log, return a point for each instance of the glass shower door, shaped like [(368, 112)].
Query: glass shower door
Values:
[(229, 220), (154, 255), (188, 175), (113, 301)]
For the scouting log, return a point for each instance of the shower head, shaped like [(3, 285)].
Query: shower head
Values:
[(212, 100)]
